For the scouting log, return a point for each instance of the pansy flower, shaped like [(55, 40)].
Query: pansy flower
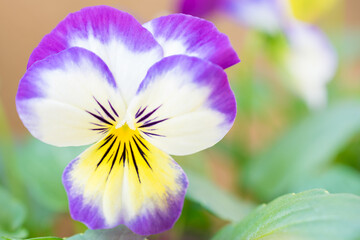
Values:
[(310, 59), (137, 93)]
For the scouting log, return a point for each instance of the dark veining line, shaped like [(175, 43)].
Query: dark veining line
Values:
[(99, 118), (107, 152), (151, 120), (99, 125), (99, 129), (141, 142), (112, 154), (153, 123), (99, 113), (123, 155), (114, 159), (140, 112), (153, 134), (142, 153), (113, 109), (134, 161), (107, 139), (105, 111), (149, 114)]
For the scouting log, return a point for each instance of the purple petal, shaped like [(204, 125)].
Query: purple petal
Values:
[(198, 8), (116, 37), (108, 186), (57, 95), (188, 104), (188, 35)]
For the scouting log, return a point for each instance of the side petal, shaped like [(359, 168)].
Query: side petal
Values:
[(62, 100), (184, 105), (116, 37), (188, 35), (126, 182)]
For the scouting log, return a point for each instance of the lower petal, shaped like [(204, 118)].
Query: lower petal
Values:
[(128, 182)]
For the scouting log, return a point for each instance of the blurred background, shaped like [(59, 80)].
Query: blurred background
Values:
[(297, 128)]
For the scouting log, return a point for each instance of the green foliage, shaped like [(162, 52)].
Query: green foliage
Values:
[(336, 179), (39, 238), (118, 233), (41, 167), (222, 204), (12, 216), (303, 152), (310, 215)]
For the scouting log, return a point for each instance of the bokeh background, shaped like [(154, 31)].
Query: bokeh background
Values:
[(278, 143)]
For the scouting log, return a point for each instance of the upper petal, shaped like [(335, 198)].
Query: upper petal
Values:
[(69, 98), (125, 180), (184, 105), (185, 34), (116, 37)]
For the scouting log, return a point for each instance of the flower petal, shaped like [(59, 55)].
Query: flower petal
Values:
[(128, 182), (311, 61), (116, 37), (184, 105), (69, 99), (199, 8), (263, 15), (185, 34)]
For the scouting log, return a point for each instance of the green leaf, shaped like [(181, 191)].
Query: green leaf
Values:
[(42, 166), (305, 150), (12, 216), (310, 215), (217, 201), (337, 179), (38, 238), (45, 238), (10, 176), (118, 233)]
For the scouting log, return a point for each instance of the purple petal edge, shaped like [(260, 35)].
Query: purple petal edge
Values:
[(159, 220), (200, 37), (92, 216), (199, 8), (27, 86), (221, 99), (99, 20), (147, 224)]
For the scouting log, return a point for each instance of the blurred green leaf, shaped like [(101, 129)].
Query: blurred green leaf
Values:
[(305, 150), (310, 215), (45, 238), (39, 238), (41, 166), (215, 200), (12, 216), (337, 179), (10, 175), (40, 220), (118, 233)]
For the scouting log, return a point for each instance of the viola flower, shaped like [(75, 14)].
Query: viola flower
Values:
[(138, 93), (310, 60)]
